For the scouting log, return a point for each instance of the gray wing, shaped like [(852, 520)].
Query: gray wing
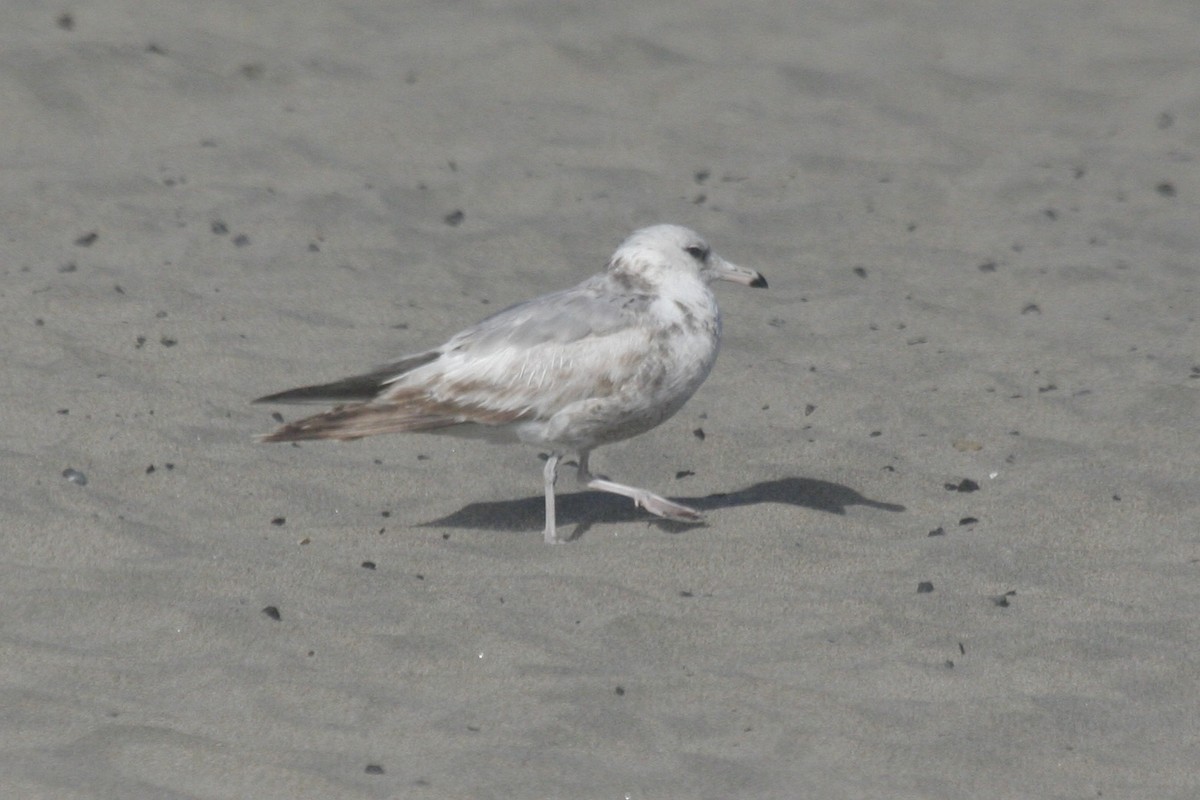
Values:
[(534, 359), (596, 307)]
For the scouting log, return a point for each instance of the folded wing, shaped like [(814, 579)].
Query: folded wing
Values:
[(523, 363)]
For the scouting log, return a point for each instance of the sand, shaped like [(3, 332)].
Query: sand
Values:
[(949, 459)]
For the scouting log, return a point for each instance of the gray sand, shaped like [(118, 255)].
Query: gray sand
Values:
[(981, 229)]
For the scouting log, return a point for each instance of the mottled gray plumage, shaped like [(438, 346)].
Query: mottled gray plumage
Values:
[(572, 370)]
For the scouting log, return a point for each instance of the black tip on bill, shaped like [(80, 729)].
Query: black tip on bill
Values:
[(759, 283)]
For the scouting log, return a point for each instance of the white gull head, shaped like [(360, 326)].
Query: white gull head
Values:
[(663, 254)]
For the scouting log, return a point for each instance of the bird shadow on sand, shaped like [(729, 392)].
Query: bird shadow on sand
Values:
[(581, 510)]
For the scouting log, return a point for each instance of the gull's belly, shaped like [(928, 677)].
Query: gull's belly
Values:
[(660, 387)]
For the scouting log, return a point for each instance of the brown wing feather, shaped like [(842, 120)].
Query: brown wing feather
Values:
[(406, 412), (355, 422)]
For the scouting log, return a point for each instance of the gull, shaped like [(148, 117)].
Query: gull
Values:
[(570, 371)]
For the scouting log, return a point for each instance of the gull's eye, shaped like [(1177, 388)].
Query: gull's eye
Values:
[(697, 252)]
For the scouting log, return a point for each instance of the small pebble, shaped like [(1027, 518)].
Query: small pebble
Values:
[(924, 587), (75, 476), (1002, 600), (272, 612)]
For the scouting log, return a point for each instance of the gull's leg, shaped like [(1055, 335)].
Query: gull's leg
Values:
[(584, 475), (551, 474), (659, 506)]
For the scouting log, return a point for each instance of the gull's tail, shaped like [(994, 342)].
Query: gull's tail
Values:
[(372, 406), (361, 419)]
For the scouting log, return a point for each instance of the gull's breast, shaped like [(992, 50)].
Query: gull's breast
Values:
[(676, 357)]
